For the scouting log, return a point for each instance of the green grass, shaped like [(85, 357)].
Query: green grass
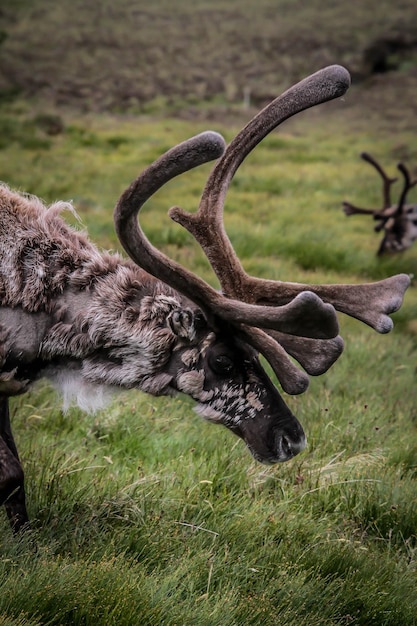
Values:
[(143, 513)]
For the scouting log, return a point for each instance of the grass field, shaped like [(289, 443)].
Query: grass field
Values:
[(143, 514)]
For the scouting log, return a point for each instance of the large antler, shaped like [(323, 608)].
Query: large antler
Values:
[(321, 321), (370, 303), (297, 320)]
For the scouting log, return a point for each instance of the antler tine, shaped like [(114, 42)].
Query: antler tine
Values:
[(386, 180), (371, 303), (408, 184), (292, 379), (181, 158), (314, 355), (351, 209)]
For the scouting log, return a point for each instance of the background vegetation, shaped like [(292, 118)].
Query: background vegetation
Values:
[(144, 514)]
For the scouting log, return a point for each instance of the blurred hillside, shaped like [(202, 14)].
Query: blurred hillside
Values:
[(131, 55)]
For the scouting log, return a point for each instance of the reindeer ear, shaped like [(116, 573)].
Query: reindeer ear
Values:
[(184, 323)]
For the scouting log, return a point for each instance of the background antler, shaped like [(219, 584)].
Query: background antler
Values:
[(392, 218), (408, 184), (387, 182)]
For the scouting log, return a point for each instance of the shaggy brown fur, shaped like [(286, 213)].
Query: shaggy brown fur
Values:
[(94, 302)]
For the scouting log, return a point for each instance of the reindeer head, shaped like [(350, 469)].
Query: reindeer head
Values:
[(397, 221), (222, 373), (216, 359)]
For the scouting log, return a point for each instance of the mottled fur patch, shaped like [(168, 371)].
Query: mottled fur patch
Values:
[(38, 251), (229, 404)]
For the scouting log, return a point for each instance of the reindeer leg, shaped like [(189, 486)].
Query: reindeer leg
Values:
[(12, 491)]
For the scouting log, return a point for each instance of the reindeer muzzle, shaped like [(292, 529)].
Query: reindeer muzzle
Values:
[(273, 440)]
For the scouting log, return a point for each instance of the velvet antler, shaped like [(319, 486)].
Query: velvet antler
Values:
[(370, 303), (296, 319)]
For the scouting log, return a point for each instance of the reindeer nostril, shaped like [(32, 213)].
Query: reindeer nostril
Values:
[(289, 446), (286, 447)]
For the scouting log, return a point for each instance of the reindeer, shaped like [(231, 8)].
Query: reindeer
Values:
[(398, 221), (91, 321)]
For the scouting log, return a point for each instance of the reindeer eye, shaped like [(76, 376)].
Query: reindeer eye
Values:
[(221, 364)]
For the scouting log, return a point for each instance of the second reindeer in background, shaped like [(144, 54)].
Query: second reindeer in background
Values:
[(398, 221)]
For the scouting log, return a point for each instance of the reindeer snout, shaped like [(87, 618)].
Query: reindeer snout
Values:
[(274, 441)]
